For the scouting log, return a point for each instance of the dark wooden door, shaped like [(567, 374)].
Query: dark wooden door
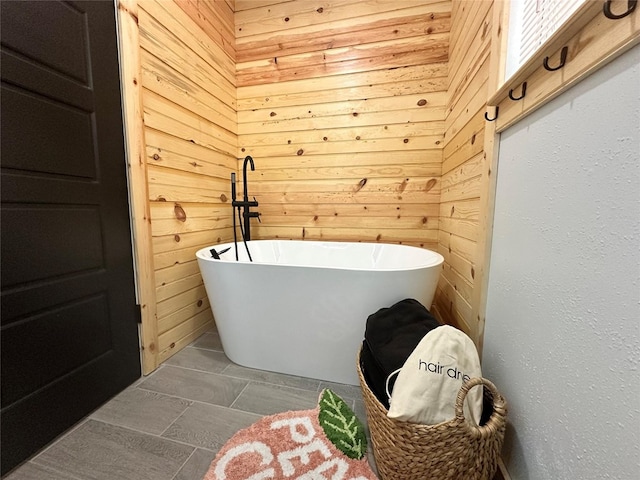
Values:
[(69, 333)]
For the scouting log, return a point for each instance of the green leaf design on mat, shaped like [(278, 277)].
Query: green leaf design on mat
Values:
[(341, 426)]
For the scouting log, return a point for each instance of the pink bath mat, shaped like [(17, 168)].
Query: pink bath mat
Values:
[(327, 442)]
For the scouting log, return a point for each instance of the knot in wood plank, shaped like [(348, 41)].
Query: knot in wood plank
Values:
[(179, 212)]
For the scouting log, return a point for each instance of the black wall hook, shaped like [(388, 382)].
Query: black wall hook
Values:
[(563, 60), (524, 92), (631, 6), (495, 116)]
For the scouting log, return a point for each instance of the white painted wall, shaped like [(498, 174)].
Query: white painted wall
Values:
[(562, 339)]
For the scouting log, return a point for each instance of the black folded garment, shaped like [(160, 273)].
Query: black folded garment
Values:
[(390, 336)]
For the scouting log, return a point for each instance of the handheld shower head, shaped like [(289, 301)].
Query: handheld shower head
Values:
[(233, 186)]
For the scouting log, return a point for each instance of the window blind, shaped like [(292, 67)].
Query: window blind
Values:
[(532, 23)]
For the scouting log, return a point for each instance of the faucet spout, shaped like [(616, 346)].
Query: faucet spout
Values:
[(244, 174)]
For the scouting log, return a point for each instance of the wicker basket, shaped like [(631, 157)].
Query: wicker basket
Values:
[(449, 450)]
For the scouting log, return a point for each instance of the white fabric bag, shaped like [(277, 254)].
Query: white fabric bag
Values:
[(428, 383)]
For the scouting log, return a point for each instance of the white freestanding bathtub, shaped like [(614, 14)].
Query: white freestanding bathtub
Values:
[(301, 306)]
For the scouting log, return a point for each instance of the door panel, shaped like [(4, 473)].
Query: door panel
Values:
[(69, 329), (63, 336), (58, 40), (73, 242), (43, 123)]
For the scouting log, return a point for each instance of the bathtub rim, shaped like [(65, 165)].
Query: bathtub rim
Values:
[(228, 257)]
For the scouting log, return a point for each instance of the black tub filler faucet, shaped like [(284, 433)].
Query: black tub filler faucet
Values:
[(244, 206)]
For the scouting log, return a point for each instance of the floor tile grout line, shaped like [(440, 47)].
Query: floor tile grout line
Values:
[(168, 395), (196, 347), (227, 367), (206, 349), (223, 374), (318, 383), (53, 469), (238, 396), (182, 442), (265, 382), (64, 435), (87, 418), (202, 402), (278, 386), (136, 430), (131, 429), (176, 419), (183, 464), (208, 404), (231, 406), (196, 369), (316, 389), (159, 436), (249, 381)]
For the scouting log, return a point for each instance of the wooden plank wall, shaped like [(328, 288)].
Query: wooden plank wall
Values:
[(365, 120), (342, 105), (463, 166), (187, 58)]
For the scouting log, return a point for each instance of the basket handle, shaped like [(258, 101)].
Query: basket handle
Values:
[(386, 386), (498, 416)]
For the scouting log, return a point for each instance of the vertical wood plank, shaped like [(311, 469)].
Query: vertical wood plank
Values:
[(482, 255), (137, 173), (465, 167), (180, 103)]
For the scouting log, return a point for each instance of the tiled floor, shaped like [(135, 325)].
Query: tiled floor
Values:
[(170, 424)]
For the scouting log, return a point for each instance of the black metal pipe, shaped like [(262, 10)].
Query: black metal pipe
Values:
[(244, 174), (247, 204), (233, 212)]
